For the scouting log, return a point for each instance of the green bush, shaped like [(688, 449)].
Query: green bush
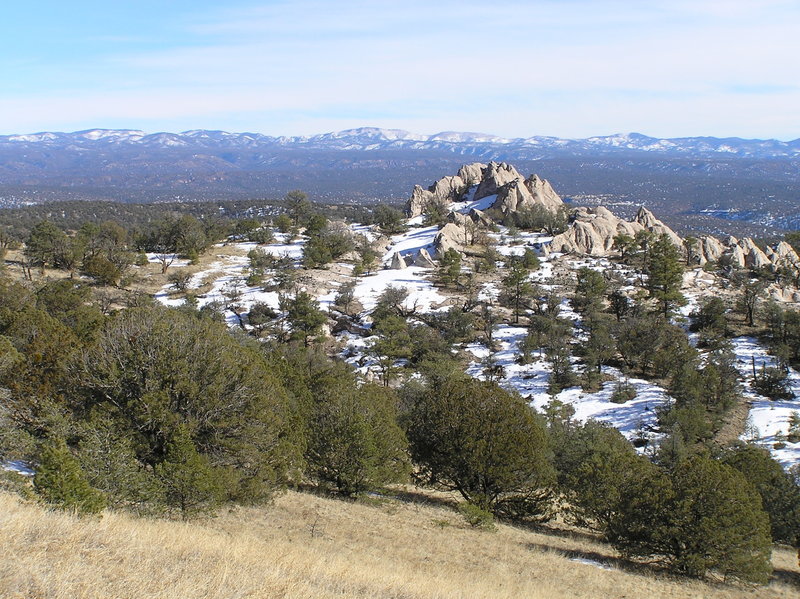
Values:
[(473, 437), (704, 517), (779, 493), (476, 516), (355, 444), (61, 482), (623, 392)]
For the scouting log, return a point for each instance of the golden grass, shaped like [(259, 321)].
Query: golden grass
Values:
[(312, 547)]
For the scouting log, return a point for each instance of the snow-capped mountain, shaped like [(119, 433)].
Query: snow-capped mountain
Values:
[(372, 138)]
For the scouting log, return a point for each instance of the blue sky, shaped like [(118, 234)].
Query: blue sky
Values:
[(569, 68)]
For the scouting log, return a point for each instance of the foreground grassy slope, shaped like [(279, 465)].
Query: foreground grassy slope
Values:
[(312, 547)]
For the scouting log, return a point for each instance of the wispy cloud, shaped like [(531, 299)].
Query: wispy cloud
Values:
[(571, 67)]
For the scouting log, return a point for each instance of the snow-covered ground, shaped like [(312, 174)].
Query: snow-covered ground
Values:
[(636, 419), (228, 277), (768, 418)]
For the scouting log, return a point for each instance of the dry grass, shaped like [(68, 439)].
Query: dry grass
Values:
[(312, 547)]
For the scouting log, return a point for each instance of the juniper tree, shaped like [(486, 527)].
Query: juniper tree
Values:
[(355, 444), (61, 482), (779, 493), (153, 370), (477, 439), (191, 485)]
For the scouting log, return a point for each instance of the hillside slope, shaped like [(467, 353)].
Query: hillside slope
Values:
[(313, 547)]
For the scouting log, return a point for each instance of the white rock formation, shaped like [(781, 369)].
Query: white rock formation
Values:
[(543, 193), (707, 249), (447, 189), (496, 178), (592, 231), (648, 221)]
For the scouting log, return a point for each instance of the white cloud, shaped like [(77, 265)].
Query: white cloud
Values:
[(573, 67)]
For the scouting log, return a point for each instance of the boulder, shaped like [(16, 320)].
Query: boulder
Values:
[(343, 323), (449, 237), (381, 245), (480, 218), (398, 263), (424, 260), (459, 219)]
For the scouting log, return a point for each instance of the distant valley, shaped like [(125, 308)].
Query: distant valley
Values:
[(699, 184)]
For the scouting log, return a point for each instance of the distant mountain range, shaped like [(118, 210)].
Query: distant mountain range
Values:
[(715, 185), (372, 138)]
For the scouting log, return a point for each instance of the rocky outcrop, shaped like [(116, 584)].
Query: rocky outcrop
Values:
[(706, 249), (648, 221), (753, 256), (592, 230), (735, 255), (447, 189), (494, 176), (419, 199), (543, 193), (513, 191), (743, 253), (480, 218)]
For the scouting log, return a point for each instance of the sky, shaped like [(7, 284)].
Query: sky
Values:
[(566, 68)]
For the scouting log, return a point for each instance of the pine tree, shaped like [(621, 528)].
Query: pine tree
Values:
[(305, 317), (665, 275), (393, 343), (516, 287), (449, 271)]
